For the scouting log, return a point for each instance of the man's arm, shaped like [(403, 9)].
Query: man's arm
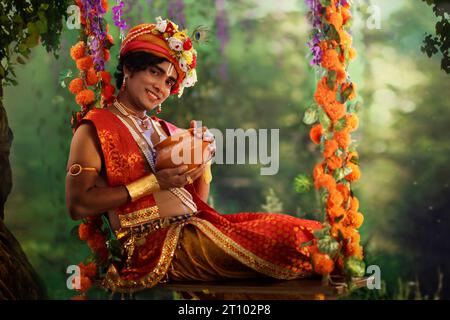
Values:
[(83, 195)]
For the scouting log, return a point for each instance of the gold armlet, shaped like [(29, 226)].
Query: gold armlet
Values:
[(76, 169), (143, 187)]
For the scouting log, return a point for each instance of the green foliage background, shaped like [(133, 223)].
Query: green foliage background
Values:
[(402, 139)]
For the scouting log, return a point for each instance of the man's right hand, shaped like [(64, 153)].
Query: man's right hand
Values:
[(177, 177)]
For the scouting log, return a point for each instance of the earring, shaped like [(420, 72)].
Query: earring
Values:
[(159, 109), (124, 84)]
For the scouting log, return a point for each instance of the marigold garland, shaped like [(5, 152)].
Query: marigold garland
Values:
[(333, 119)]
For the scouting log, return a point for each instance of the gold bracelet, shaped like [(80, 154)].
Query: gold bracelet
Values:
[(142, 187)]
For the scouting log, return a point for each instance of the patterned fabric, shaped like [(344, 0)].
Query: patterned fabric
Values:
[(259, 244)]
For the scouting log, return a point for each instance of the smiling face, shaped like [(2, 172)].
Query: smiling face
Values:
[(148, 88)]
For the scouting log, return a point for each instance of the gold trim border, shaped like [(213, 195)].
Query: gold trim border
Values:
[(138, 217)]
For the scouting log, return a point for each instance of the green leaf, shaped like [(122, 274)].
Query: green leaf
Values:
[(346, 93), (354, 107), (340, 124), (311, 116), (324, 119), (328, 245), (338, 174), (347, 171), (332, 34), (355, 267), (20, 60), (331, 79), (320, 234), (2, 71), (302, 183), (305, 244)]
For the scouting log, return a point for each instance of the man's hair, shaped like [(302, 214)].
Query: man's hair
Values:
[(135, 61)]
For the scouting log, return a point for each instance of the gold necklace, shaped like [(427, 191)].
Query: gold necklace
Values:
[(144, 123)]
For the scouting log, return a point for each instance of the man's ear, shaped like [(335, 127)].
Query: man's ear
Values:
[(126, 72)]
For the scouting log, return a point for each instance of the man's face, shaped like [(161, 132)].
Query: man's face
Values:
[(149, 88)]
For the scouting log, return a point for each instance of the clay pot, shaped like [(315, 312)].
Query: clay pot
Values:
[(182, 149)]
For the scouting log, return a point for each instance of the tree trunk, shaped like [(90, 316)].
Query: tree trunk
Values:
[(18, 280)]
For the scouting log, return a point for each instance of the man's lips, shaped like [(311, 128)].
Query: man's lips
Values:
[(152, 95)]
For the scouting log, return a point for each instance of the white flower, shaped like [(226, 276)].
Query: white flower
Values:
[(190, 80), (161, 24), (175, 44), (183, 65)]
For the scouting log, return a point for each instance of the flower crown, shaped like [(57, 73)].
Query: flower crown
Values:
[(166, 40)]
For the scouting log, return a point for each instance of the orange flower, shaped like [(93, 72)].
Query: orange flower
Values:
[(341, 75), (346, 39), (335, 198), (315, 133), (105, 76), (337, 228), (351, 155), (85, 231), (355, 174), (336, 20), (326, 181), (330, 148), (78, 50), (89, 270), (85, 63), (352, 53), (106, 55), (330, 60), (351, 122), (322, 263), (323, 94), (335, 110), (355, 219), (110, 39), (108, 92), (91, 77), (354, 249), (318, 171), (334, 162), (85, 97), (354, 204), (343, 138), (76, 85), (105, 5), (344, 190), (85, 284), (346, 15), (336, 212), (97, 242)]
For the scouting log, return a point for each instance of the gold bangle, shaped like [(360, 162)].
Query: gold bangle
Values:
[(142, 187)]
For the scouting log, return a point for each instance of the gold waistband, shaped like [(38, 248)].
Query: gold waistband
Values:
[(152, 226)]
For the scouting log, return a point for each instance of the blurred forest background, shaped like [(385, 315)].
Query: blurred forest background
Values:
[(254, 73)]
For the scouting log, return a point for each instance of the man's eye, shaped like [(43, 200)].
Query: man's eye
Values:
[(155, 72)]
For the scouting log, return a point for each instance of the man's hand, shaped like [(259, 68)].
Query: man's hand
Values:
[(177, 177)]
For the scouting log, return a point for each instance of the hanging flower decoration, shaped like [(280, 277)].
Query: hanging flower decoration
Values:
[(90, 53), (333, 118), (118, 20), (92, 88)]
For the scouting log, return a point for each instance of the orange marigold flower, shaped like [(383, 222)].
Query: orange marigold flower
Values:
[(355, 219), (351, 122), (78, 50), (336, 20), (336, 212), (354, 204), (85, 284), (341, 75), (334, 162), (324, 95), (89, 270), (85, 63), (325, 180), (85, 231), (343, 138), (355, 174), (346, 15), (97, 242), (330, 60), (105, 5), (337, 228), (85, 97), (344, 190), (91, 77), (108, 92), (335, 110), (318, 171), (346, 39), (110, 39), (316, 133), (351, 155), (322, 263), (105, 76), (352, 53), (76, 85), (335, 198), (354, 249), (106, 55), (330, 148)]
